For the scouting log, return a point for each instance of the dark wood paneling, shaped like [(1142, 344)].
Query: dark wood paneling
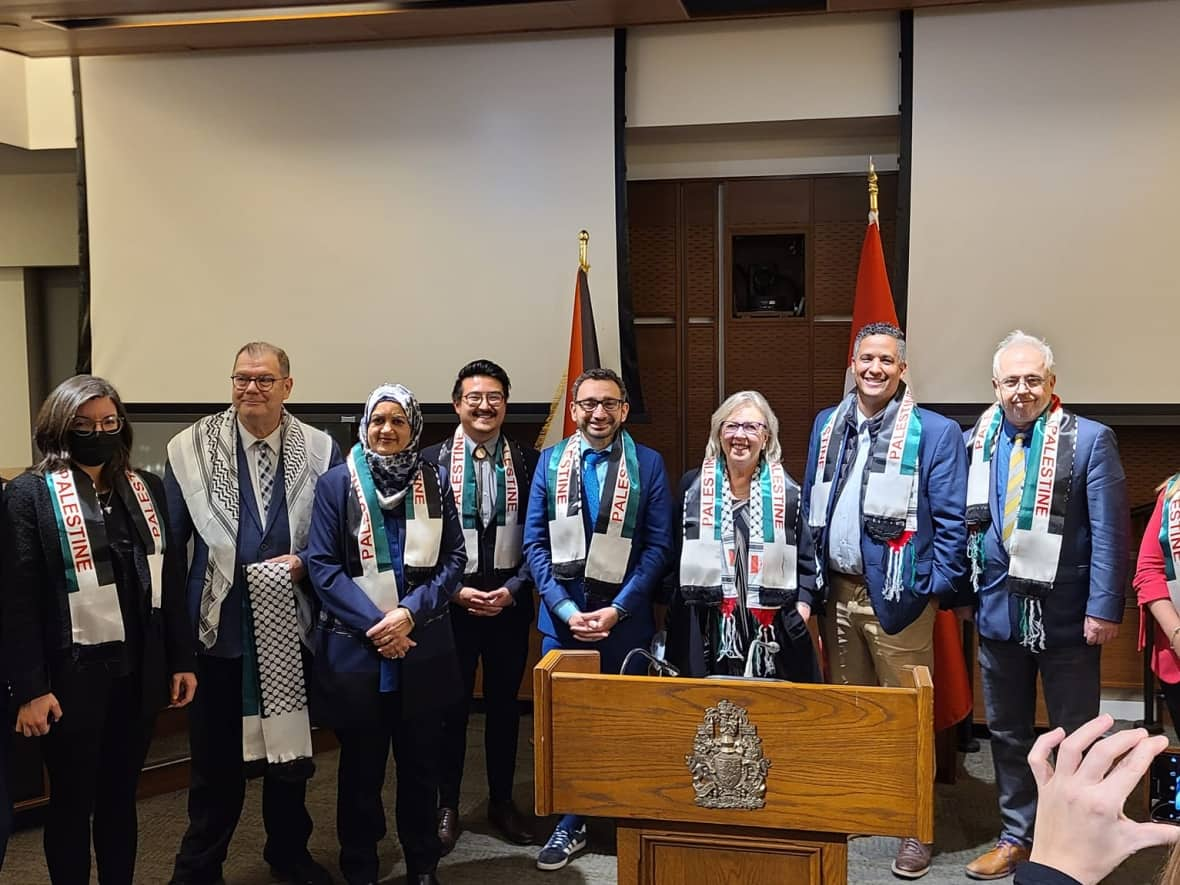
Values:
[(700, 249), (658, 369), (774, 358), (1150, 455), (654, 263), (768, 201), (702, 398)]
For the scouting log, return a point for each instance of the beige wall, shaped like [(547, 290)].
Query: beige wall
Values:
[(795, 68), (38, 220), (15, 447), (36, 102)]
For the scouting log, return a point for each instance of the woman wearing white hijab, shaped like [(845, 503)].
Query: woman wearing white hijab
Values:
[(385, 551)]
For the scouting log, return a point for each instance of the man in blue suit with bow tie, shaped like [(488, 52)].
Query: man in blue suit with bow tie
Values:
[(1049, 537), (598, 539)]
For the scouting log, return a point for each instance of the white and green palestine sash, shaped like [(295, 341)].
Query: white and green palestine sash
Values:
[(509, 530), (423, 508), (1170, 538), (889, 502), (605, 564), (1034, 548), (95, 615)]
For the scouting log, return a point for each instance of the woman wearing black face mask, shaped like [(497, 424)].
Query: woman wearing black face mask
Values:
[(95, 632)]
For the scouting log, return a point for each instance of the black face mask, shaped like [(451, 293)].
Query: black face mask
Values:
[(96, 449)]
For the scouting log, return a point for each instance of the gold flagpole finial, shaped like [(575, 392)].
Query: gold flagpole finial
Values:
[(872, 187), (583, 242)]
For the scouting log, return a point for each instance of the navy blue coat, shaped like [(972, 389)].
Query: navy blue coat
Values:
[(651, 556), (257, 541), (940, 543), (346, 689), (1092, 571)]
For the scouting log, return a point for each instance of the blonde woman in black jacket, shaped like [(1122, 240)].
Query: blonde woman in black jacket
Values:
[(95, 633)]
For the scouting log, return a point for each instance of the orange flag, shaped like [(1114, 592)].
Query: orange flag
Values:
[(874, 304), (583, 355)]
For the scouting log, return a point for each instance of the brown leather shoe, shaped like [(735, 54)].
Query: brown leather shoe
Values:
[(449, 829), (913, 859), (506, 818), (1001, 861)]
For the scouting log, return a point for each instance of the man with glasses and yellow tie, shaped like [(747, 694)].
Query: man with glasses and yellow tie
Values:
[(598, 539), (240, 486), (1049, 538), (492, 610)]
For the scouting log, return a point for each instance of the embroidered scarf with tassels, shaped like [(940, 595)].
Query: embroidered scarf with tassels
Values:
[(1034, 548), (708, 559), (604, 564), (509, 529), (1170, 538), (889, 502)]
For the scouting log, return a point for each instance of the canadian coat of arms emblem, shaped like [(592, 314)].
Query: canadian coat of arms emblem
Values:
[(727, 765)]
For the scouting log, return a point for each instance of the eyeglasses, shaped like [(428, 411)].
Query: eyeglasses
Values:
[(590, 406), (474, 399), (398, 422), (745, 428), (1013, 382), (263, 382), (86, 427)]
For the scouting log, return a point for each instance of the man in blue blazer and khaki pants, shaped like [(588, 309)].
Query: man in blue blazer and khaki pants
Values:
[(884, 493), (598, 539), (1049, 539)]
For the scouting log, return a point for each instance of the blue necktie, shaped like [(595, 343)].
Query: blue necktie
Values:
[(590, 483)]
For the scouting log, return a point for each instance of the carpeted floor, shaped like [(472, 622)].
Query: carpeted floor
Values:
[(966, 821)]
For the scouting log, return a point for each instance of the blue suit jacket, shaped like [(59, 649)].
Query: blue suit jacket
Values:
[(1092, 572), (347, 664), (940, 545), (651, 553), (258, 539)]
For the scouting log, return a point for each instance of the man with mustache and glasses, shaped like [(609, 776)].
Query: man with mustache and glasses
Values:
[(598, 538), (1049, 538), (884, 493), (492, 610)]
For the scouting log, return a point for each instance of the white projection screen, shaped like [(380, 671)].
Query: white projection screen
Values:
[(1044, 196), (382, 213)]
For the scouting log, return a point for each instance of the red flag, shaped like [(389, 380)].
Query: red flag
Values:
[(583, 355), (874, 304)]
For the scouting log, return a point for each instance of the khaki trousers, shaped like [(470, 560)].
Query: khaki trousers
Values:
[(859, 652)]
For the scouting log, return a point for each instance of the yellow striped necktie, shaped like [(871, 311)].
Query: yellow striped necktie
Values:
[(1015, 485)]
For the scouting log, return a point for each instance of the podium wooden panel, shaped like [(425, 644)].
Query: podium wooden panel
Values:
[(843, 759)]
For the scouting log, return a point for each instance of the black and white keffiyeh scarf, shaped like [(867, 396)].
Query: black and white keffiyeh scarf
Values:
[(204, 460), (708, 559), (392, 473)]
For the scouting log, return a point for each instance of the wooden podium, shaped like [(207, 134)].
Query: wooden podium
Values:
[(842, 759)]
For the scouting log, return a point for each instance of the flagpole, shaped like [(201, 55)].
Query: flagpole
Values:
[(874, 216), (556, 407)]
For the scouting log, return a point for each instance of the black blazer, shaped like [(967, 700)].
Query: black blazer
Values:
[(35, 611), (518, 582)]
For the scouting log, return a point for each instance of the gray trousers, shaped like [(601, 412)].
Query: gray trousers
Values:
[(1070, 681)]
